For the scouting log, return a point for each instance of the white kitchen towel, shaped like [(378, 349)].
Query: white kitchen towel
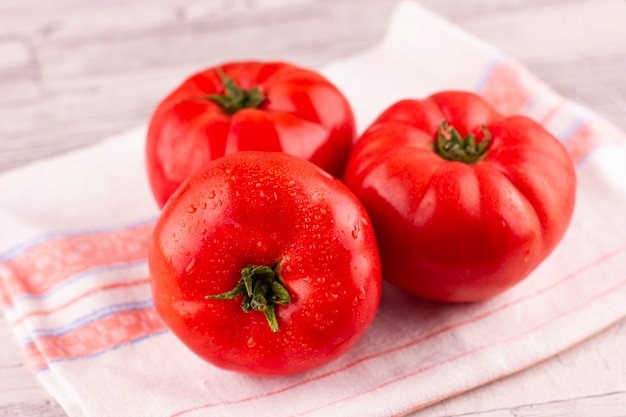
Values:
[(74, 281)]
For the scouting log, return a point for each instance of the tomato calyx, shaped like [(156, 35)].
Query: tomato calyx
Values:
[(262, 290), (450, 145), (236, 98)]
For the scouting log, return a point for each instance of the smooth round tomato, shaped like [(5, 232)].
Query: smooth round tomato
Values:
[(465, 202), (249, 105), (263, 263)]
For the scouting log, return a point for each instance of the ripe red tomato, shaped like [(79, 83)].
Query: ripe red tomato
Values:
[(238, 106), (263, 263), (465, 202)]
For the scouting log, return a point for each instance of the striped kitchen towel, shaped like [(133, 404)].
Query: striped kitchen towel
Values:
[(74, 283)]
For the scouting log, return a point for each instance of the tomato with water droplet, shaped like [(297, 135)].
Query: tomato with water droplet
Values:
[(263, 294)]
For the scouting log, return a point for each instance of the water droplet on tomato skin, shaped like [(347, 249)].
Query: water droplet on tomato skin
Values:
[(331, 296), (362, 293), (191, 209), (190, 266), (251, 342)]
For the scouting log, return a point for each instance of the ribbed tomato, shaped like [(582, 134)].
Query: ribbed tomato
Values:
[(465, 202), (254, 106)]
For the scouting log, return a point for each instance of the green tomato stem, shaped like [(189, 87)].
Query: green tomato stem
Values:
[(262, 289), (451, 146), (234, 97)]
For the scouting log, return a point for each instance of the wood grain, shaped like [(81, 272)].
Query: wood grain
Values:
[(73, 72)]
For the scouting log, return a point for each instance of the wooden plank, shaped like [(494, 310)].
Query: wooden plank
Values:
[(74, 88), (597, 406), (574, 383)]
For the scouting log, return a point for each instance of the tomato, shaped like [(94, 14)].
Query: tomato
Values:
[(264, 264), (238, 106), (465, 202)]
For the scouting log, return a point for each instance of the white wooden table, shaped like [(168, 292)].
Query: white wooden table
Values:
[(73, 72)]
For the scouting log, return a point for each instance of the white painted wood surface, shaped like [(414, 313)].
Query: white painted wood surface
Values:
[(73, 72)]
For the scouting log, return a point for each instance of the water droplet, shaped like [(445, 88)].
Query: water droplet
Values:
[(212, 194), (251, 342), (356, 230), (191, 209), (331, 296), (190, 266), (320, 197), (362, 293), (527, 256)]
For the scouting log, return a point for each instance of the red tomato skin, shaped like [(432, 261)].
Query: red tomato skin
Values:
[(303, 114), (257, 208), (458, 232)]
